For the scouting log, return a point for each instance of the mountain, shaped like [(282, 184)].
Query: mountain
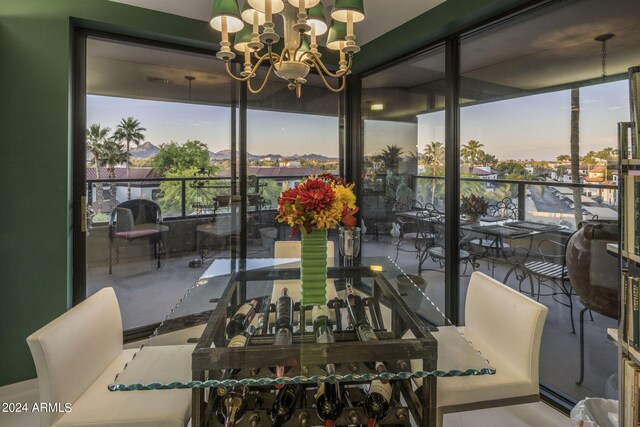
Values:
[(318, 157), (144, 151)]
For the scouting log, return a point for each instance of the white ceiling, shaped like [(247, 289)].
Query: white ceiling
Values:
[(382, 15)]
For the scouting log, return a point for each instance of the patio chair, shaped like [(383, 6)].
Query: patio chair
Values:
[(550, 268), (137, 219), (497, 213), (79, 354), (436, 251), (410, 230)]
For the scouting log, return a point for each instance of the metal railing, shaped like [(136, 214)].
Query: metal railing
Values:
[(268, 188)]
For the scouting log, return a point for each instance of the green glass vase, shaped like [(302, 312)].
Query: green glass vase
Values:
[(313, 268)]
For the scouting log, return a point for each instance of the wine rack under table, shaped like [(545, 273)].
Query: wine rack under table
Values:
[(305, 359)]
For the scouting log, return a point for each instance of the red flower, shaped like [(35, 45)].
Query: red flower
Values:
[(315, 195), (348, 218)]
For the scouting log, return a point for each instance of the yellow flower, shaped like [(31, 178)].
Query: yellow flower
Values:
[(345, 195)]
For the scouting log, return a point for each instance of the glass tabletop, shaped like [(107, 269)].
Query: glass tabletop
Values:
[(227, 330)]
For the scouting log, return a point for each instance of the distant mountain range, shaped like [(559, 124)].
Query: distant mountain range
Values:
[(148, 151), (145, 150)]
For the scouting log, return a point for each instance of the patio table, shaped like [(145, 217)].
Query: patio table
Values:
[(415, 340)]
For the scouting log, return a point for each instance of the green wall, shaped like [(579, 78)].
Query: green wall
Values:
[(35, 170), (35, 122)]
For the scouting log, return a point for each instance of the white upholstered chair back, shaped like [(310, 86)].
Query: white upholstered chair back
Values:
[(291, 249), (74, 349), (509, 323)]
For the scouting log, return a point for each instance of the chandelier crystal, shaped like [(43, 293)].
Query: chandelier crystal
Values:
[(303, 21)]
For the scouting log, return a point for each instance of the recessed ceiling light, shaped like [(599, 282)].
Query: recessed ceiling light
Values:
[(377, 107)]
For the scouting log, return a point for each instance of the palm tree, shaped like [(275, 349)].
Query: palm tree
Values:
[(471, 151), (590, 159), (606, 155), (113, 154), (96, 138), (390, 157), (129, 130), (575, 153), (562, 160), (434, 156)]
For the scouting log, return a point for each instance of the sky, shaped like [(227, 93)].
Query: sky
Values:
[(268, 132), (536, 126)]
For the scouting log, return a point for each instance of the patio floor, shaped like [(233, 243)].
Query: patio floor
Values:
[(146, 294)]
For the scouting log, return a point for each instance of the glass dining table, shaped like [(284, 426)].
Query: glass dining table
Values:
[(413, 346)]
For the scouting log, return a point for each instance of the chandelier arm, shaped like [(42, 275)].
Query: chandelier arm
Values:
[(260, 61), (332, 89), (230, 73), (271, 55), (264, 83), (244, 79), (318, 61)]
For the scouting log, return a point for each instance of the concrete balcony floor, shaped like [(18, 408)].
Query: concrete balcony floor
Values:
[(146, 294)]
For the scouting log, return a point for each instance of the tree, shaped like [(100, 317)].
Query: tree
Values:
[(186, 160), (114, 154), (434, 156), (486, 159), (562, 160), (590, 159), (129, 131), (513, 169), (606, 155), (96, 138), (175, 157), (390, 157), (575, 153), (471, 151)]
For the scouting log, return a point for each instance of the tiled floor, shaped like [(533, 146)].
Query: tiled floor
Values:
[(530, 415)]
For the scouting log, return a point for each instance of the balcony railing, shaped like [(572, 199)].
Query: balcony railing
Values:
[(196, 196)]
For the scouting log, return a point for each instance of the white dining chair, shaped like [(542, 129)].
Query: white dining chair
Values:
[(78, 354), (506, 327)]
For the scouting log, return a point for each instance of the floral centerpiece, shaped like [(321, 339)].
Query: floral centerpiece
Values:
[(315, 205), (473, 207)]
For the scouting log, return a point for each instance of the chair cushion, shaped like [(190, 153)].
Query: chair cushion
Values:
[(99, 407), (136, 234), (507, 382)]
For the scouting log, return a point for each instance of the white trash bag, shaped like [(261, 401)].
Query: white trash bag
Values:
[(594, 412)]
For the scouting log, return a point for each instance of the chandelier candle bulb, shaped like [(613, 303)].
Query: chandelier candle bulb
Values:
[(300, 17)]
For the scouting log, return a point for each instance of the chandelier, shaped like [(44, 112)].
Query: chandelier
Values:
[(303, 21)]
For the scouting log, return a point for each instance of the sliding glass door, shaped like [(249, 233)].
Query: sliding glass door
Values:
[(159, 149)]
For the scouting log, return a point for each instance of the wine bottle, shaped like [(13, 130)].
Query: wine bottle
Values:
[(377, 402), (242, 340), (323, 331), (356, 308), (284, 311), (358, 318), (241, 319), (329, 403), (285, 403), (284, 326), (234, 404), (284, 336)]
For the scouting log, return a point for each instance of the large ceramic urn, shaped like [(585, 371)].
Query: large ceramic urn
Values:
[(594, 272)]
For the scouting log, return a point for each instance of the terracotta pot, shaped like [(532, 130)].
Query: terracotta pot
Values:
[(592, 271)]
